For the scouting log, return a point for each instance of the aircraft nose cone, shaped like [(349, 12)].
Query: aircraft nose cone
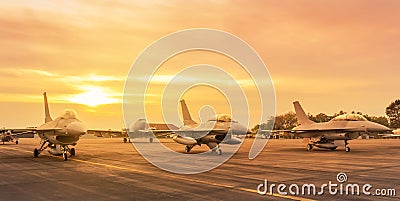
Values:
[(384, 128), (76, 128), (378, 128)]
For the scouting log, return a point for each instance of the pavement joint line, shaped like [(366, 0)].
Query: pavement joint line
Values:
[(177, 177)]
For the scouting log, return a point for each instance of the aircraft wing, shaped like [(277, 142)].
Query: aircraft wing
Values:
[(183, 131), (324, 129), (20, 132), (48, 129), (194, 133), (276, 131), (389, 135), (106, 133), (159, 131)]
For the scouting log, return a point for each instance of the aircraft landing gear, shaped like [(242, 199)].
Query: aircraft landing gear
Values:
[(188, 148), (72, 151), (309, 147), (36, 151), (125, 140), (346, 145), (65, 150), (217, 150), (16, 142), (65, 156)]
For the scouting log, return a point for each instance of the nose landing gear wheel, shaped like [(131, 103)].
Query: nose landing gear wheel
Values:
[(65, 156), (151, 140), (35, 153), (72, 151), (347, 149), (309, 147), (16, 142), (188, 148), (219, 151)]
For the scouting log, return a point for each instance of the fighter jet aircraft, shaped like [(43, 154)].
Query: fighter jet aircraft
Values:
[(58, 134), (143, 129), (13, 135), (341, 128), (7, 136), (394, 135), (110, 134), (219, 129)]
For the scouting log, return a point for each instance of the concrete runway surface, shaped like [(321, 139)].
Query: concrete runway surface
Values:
[(108, 169)]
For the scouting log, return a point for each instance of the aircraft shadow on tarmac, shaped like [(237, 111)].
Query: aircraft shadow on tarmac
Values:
[(166, 142), (317, 150)]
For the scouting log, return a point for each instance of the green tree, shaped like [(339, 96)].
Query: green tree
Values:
[(393, 112), (321, 117), (269, 125), (380, 120), (341, 112), (286, 121)]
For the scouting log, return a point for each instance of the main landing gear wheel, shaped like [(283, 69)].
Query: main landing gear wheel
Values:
[(219, 151), (309, 147), (151, 140), (72, 151), (125, 140), (346, 145), (16, 142), (65, 156), (35, 153), (188, 148)]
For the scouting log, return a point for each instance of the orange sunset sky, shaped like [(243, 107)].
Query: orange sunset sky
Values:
[(329, 55)]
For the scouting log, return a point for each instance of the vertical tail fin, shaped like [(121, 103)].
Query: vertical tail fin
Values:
[(46, 109), (302, 118), (187, 119)]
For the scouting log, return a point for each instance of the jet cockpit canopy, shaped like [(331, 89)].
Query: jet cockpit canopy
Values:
[(349, 117), (69, 114), (222, 118)]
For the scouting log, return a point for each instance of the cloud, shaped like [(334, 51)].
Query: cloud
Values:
[(25, 85), (319, 51)]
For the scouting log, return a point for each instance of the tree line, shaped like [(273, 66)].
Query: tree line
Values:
[(288, 120)]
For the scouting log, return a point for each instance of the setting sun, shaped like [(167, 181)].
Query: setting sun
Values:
[(93, 96)]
